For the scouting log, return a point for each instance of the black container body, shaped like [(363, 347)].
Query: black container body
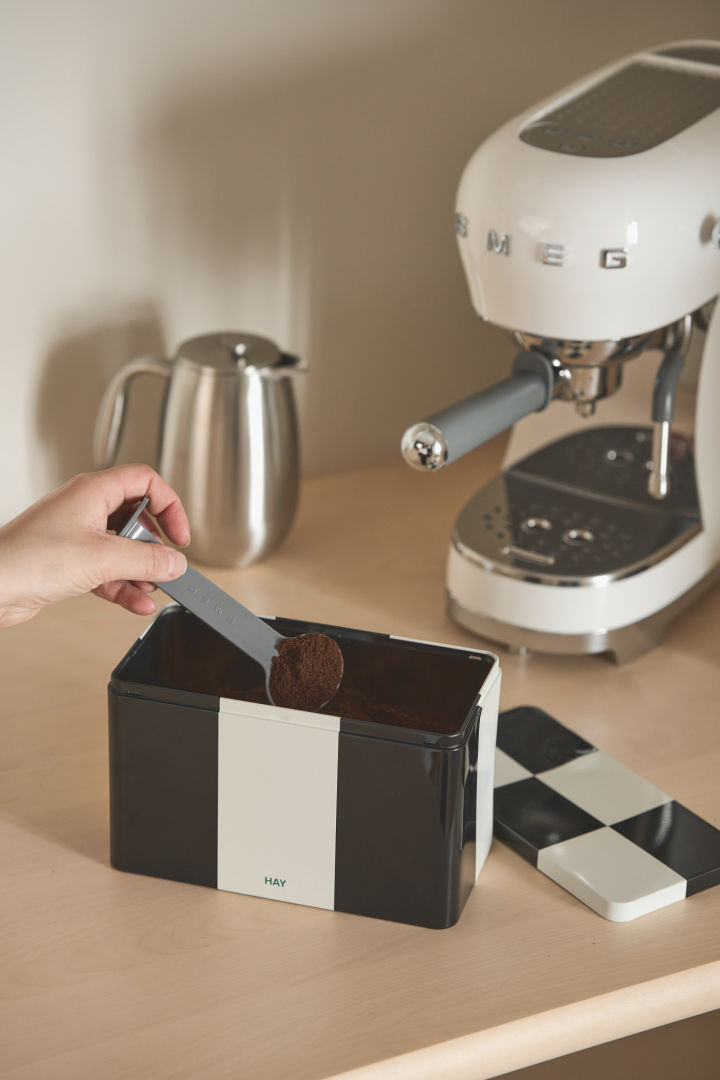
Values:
[(163, 789), (357, 814), (406, 823)]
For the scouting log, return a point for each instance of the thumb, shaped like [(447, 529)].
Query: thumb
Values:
[(142, 560)]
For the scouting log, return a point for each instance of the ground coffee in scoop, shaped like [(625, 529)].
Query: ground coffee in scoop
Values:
[(306, 672)]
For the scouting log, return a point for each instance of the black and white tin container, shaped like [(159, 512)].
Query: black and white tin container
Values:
[(388, 814)]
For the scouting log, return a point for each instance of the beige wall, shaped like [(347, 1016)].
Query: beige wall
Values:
[(286, 167)]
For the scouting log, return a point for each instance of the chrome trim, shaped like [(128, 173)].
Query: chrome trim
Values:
[(596, 581), (535, 524), (592, 370), (529, 556), (614, 258), (658, 483), (625, 643), (536, 577), (578, 536), (553, 254), (461, 224), (596, 353), (702, 316), (498, 243), (424, 447)]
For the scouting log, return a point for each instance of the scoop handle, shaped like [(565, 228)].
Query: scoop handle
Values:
[(212, 604)]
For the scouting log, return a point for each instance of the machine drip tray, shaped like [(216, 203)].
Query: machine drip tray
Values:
[(613, 461), (577, 511)]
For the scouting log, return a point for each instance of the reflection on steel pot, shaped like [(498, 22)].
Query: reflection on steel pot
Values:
[(228, 439)]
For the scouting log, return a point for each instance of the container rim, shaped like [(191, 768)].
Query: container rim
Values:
[(387, 732)]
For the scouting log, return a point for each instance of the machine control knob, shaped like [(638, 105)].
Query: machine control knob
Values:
[(424, 447)]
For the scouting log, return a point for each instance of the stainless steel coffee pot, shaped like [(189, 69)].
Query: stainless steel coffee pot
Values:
[(228, 441)]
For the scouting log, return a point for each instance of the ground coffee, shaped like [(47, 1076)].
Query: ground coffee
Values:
[(306, 672), (354, 705), (384, 681)]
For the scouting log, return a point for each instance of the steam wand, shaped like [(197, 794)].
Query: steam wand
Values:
[(663, 412)]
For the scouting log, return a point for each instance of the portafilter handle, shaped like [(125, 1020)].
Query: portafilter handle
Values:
[(447, 435)]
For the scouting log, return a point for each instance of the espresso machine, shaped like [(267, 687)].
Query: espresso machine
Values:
[(589, 228)]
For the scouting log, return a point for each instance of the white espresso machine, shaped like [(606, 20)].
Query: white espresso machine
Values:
[(589, 228)]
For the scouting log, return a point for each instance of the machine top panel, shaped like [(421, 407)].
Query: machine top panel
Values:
[(700, 54), (634, 109)]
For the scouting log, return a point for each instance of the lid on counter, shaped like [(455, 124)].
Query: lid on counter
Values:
[(231, 351)]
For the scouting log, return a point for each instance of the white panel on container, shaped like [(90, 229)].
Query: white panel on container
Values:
[(277, 803), (487, 737)]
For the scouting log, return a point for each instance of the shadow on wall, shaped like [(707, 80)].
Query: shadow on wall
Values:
[(76, 371), (318, 200), (312, 201), (317, 207)]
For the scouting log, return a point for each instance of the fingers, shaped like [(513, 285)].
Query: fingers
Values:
[(121, 560), (128, 595), (129, 483), (144, 586)]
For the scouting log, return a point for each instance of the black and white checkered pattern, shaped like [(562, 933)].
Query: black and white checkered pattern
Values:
[(610, 838)]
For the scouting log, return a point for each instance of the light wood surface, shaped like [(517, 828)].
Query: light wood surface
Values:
[(106, 973)]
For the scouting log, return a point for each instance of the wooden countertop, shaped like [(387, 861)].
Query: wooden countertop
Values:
[(106, 973)]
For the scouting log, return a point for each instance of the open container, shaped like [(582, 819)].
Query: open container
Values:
[(384, 812)]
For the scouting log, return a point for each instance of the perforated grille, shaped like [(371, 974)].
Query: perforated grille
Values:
[(633, 110), (579, 509)]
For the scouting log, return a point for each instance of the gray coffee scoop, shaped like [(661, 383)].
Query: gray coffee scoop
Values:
[(301, 672)]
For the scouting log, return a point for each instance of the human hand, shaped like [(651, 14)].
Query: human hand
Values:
[(60, 546)]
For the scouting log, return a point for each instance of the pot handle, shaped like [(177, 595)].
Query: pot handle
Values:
[(111, 414)]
